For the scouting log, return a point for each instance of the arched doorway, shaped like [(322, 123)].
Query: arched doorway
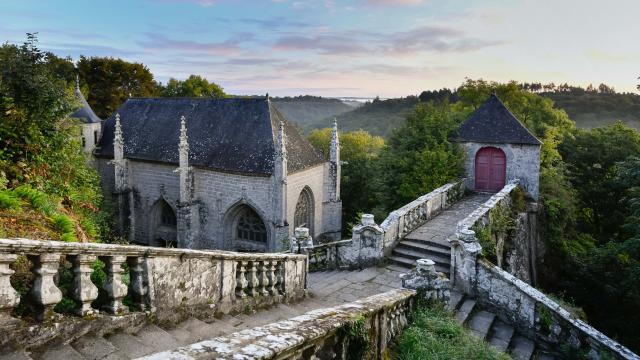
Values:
[(490, 169), (164, 228), (303, 216), (248, 231)]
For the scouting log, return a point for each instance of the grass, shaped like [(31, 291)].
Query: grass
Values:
[(435, 334)]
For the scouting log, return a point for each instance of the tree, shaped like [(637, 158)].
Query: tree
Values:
[(591, 157), (421, 155), (358, 186), (111, 82), (193, 86)]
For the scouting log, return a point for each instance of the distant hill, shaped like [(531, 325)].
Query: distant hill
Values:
[(305, 110), (589, 109), (377, 117)]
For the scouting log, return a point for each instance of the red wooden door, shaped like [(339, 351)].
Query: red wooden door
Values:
[(491, 169)]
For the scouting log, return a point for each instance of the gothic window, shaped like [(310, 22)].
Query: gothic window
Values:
[(167, 216), (250, 226), (304, 210)]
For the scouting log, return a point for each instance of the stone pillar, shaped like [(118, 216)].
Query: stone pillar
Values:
[(466, 270), (429, 283), (44, 293), (188, 214), (113, 285), (367, 243), (122, 193), (280, 190), (334, 160), (332, 205), (9, 297), (84, 291), (138, 285), (302, 240)]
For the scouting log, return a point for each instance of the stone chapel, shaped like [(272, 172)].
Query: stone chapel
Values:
[(91, 124), (499, 149), (205, 173)]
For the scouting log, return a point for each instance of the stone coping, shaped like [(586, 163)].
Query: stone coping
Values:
[(468, 222), (266, 342), (35, 247), (396, 214), (553, 306), (331, 244)]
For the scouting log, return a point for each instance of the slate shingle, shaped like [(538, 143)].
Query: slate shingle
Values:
[(85, 113), (233, 135), (494, 123)]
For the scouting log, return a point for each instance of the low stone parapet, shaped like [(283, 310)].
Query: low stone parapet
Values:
[(166, 284), (362, 329)]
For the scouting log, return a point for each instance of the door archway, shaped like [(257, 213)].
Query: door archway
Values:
[(303, 215), (490, 169), (247, 230), (164, 228)]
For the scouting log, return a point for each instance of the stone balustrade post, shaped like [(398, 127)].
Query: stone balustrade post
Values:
[(273, 277), (9, 297), (44, 293), (241, 279), (429, 283), (83, 291), (280, 276), (138, 286), (467, 270), (115, 288), (253, 280), (264, 278)]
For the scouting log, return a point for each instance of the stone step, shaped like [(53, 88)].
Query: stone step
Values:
[(156, 338), (436, 242), (521, 348), (480, 323), (128, 345), (501, 334), (62, 352), (465, 310), (8, 354), (94, 347), (437, 258), (424, 247), (410, 263), (455, 299)]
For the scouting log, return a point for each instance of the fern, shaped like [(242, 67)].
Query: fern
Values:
[(66, 226), (37, 199), (9, 201)]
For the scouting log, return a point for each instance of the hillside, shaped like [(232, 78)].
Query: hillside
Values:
[(305, 110), (591, 110), (377, 117)]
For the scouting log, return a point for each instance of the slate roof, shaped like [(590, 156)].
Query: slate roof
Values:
[(85, 113), (494, 123), (235, 135)]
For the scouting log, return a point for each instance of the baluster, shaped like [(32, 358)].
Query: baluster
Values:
[(137, 285), (115, 288), (241, 280), (273, 278), (254, 282), (280, 276), (9, 297), (44, 293), (83, 291), (264, 278)]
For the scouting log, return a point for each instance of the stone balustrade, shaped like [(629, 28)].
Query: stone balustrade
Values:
[(402, 221), (318, 334), (168, 284)]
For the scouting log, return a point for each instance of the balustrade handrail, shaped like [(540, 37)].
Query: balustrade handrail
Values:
[(331, 244), (28, 246)]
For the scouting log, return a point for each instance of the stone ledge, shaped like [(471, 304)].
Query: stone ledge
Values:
[(27, 246), (312, 330)]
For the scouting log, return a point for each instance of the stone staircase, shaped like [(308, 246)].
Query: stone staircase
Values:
[(488, 327), (430, 241)]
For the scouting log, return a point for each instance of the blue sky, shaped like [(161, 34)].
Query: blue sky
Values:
[(345, 48)]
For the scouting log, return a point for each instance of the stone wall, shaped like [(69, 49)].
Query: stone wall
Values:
[(523, 164), (167, 285), (319, 334), (539, 317), (90, 134)]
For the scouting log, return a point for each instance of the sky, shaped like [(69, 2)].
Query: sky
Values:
[(360, 48)]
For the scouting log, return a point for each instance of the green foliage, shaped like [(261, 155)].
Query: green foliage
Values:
[(487, 242), (357, 337), (9, 201), (435, 334), (66, 226), (193, 86), (420, 155), (306, 110), (112, 81), (591, 157), (41, 159)]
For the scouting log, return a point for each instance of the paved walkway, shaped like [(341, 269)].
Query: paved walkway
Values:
[(443, 226)]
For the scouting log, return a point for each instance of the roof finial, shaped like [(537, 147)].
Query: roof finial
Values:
[(267, 96), (183, 131), (282, 150), (77, 82), (118, 131)]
